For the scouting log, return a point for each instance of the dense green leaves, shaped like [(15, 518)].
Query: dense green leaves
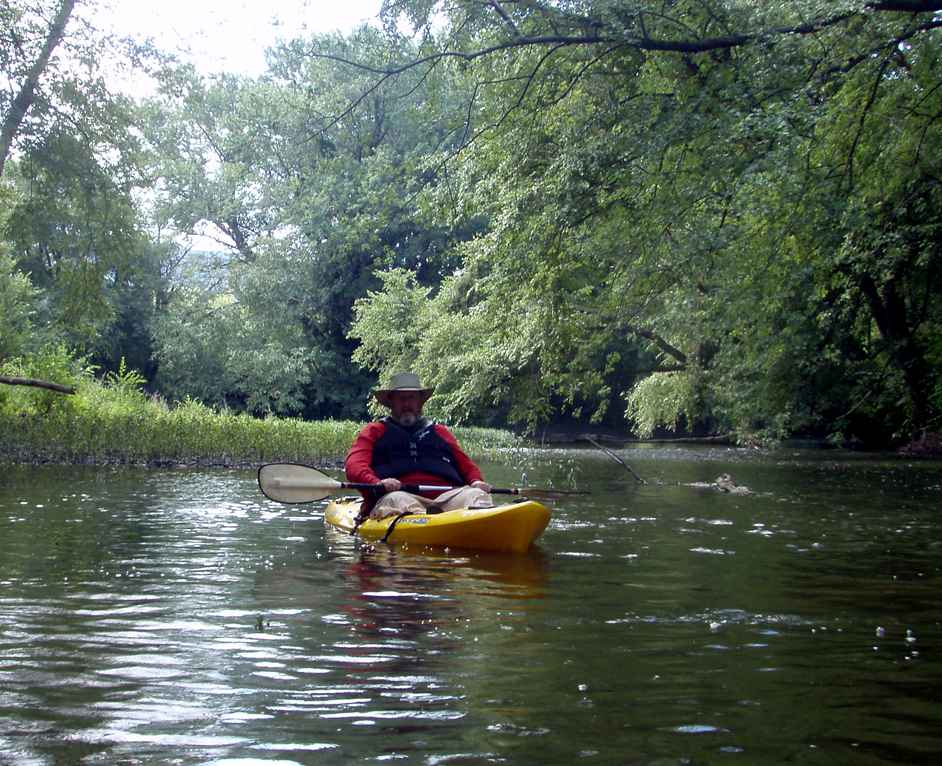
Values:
[(710, 217), (309, 202), (18, 300), (71, 221), (736, 201)]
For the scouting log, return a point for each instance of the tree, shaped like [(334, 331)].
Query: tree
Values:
[(26, 46), (308, 208), (71, 167), (704, 183), (76, 233)]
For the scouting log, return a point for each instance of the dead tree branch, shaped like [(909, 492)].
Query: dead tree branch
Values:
[(36, 383)]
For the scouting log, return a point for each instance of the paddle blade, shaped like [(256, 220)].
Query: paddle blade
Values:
[(291, 483)]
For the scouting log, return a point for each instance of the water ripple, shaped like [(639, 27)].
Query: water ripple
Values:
[(179, 617)]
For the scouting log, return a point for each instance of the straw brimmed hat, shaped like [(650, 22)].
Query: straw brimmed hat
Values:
[(402, 381)]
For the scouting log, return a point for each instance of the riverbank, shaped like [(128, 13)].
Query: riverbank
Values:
[(107, 424), (113, 422)]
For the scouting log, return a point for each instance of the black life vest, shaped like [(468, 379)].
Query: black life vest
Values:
[(403, 450)]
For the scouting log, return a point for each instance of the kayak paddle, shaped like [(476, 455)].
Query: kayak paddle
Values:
[(295, 483)]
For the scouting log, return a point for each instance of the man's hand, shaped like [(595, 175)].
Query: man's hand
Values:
[(391, 485), (483, 485)]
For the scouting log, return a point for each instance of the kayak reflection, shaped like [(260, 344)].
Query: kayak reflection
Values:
[(399, 597), (519, 576)]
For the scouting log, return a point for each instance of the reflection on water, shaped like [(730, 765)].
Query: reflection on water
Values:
[(179, 617)]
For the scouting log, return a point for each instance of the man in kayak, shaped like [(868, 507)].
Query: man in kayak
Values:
[(406, 448)]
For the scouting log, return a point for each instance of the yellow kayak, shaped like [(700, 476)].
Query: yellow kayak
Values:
[(508, 528)]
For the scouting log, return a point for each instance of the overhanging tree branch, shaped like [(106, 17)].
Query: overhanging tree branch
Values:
[(640, 42), (613, 40), (905, 6), (503, 14), (669, 349), (862, 120)]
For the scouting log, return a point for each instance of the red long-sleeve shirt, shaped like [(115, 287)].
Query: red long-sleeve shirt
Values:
[(359, 459)]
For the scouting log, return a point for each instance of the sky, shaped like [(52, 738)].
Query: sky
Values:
[(229, 35)]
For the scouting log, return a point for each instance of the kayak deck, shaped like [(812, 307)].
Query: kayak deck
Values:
[(509, 528)]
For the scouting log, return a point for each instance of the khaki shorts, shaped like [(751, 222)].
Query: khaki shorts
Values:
[(395, 503)]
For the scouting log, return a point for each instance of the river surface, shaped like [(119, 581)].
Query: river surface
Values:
[(179, 617)]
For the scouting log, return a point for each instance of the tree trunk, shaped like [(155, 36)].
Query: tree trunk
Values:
[(27, 93), (889, 312)]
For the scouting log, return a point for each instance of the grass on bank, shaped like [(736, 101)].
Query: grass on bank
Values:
[(114, 421)]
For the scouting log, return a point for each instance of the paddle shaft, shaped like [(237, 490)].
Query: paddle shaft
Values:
[(414, 488), (419, 488)]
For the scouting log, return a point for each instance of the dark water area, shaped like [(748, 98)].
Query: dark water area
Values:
[(179, 617)]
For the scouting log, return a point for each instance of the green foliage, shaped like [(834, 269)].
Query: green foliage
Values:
[(112, 421), (935, 361), (402, 328), (17, 308), (127, 382), (659, 400), (75, 234), (73, 168), (66, 89), (389, 323), (211, 348), (309, 209), (754, 214), (744, 237)]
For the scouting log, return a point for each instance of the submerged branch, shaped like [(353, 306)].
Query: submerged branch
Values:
[(615, 457)]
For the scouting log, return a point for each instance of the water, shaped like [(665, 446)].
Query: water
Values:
[(178, 617)]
